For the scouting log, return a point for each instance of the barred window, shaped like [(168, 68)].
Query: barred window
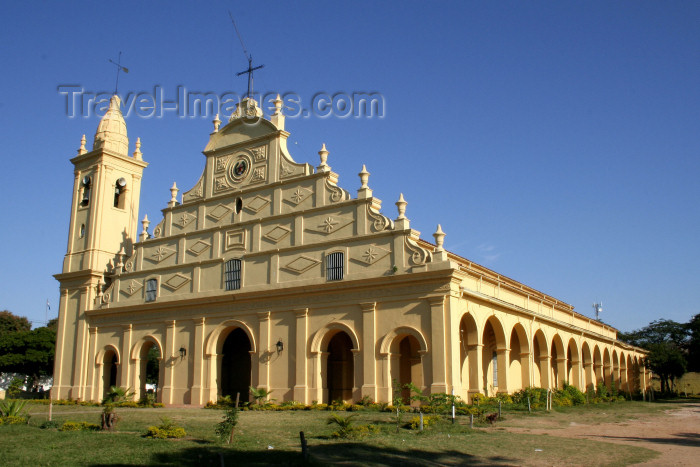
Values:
[(334, 266), (151, 289), (232, 274)]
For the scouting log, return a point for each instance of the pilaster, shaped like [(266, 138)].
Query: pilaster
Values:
[(369, 360), (300, 356)]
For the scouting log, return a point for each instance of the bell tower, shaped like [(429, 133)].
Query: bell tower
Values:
[(102, 230), (106, 192)]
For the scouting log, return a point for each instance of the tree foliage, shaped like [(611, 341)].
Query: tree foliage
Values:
[(672, 346), (28, 352), (10, 323)]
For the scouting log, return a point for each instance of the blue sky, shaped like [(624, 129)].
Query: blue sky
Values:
[(556, 142)]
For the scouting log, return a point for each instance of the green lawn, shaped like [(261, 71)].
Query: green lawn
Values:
[(258, 431)]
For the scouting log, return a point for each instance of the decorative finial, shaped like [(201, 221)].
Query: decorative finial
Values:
[(323, 154), (217, 123), (401, 206), (81, 149), (120, 260), (364, 177), (278, 105), (138, 155), (144, 227), (173, 193), (439, 236)]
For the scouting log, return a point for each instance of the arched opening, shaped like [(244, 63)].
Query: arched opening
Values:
[(623, 372), (598, 375), (587, 366), (558, 362), (410, 368), (573, 368), (468, 339), (149, 368), (519, 364), (235, 372), (493, 358), (633, 378), (607, 368), (340, 368), (109, 371), (540, 358)]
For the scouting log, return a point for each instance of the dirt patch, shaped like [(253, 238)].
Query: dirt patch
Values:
[(674, 434)]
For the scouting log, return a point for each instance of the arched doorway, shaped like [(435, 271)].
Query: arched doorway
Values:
[(573, 365), (494, 364), (519, 365), (558, 362), (588, 375), (410, 368), (149, 376), (468, 350), (340, 368), (109, 371), (236, 365), (540, 358)]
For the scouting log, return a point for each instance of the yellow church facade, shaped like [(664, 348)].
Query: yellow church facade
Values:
[(268, 274)]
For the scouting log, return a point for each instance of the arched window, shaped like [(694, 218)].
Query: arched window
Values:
[(232, 274), (85, 185), (151, 289), (334, 266), (119, 190)]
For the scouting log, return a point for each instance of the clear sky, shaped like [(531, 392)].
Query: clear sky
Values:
[(557, 143)]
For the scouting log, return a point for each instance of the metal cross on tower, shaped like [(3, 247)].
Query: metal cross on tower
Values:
[(250, 71), (118, 63)]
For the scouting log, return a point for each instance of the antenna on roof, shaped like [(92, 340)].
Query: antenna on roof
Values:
[(118, 63), (248, 57), (598, 307)]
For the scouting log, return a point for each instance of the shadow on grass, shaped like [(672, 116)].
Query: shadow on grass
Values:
[(348, 453)]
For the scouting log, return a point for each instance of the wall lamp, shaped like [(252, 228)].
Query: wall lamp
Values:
[(280, 346), (183, 352)]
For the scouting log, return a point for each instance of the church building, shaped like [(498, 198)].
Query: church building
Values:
[(267, 273)]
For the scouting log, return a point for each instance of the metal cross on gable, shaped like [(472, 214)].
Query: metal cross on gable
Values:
[(118, 63), (250, 71)]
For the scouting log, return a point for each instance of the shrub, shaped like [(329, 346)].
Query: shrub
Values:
[(429, 420), (576, 396), (78, 426), (166, 429), (344, 425), (49, 424), (12, 408), (360, 431), (366, 401), (224, 429), (14, 420)]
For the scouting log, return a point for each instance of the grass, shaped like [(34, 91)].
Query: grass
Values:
[(257, 431)]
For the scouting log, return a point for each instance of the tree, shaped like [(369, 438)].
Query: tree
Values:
[(28, 352), (9, 322), (694, 343), (667, 342), (153, 365)]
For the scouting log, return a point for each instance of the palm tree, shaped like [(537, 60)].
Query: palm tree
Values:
[(344, 424), (259, 394)]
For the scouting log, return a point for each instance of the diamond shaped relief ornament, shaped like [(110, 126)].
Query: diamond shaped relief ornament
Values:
[(373, 253), (132, 288), (299, 195), (184, 219), (259, 153), (330, 224), (302, 264), (257, 204), (219, 212), (199, 247), (161, 253), (176, 281), (277, 234)]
